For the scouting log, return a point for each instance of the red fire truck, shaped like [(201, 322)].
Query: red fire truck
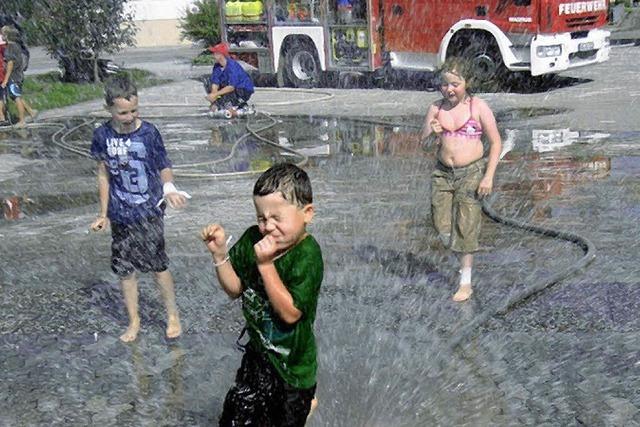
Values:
[(302, 40)]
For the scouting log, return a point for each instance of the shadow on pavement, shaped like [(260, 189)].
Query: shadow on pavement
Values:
[(521, 83)]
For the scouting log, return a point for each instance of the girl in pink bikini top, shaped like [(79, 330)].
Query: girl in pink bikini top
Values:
[(469, 129)]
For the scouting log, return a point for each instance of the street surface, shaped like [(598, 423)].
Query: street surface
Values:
[(567, 356)]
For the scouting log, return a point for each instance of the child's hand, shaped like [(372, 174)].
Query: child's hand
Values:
[(485, 187), (215, 239), (436, 127), (266, 250), (176, 200), (99, 224)]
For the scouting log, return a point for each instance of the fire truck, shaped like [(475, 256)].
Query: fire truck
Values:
[(301, 41)]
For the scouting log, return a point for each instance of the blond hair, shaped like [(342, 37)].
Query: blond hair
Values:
[(10, 34), (459, 66)]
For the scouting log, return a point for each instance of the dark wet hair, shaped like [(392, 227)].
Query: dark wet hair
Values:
[(459, 66), (288, 179), (119, 86)]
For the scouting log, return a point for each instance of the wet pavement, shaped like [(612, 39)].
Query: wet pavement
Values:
[(570, 355)]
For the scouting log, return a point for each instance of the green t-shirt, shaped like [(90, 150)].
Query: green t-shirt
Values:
[(290, 348)]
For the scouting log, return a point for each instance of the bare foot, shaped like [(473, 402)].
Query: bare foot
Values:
[(314, 405), (173, 327), (20, 124), (463, 294), (132, 332)]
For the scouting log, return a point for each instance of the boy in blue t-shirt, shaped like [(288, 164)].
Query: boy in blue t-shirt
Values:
[(231, 86), (134, 177)]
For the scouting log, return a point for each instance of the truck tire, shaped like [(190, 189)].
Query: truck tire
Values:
[(484, 55), (486, 63), (301, 65)]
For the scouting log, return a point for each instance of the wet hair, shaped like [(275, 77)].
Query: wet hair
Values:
[(459, 66), (288, 179), (10, 33), (119, 86)]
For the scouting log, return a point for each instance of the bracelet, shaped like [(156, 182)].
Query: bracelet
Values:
[(218, 264)]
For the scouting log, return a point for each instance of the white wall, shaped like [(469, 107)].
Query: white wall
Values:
[(157, 21), (153, 10)]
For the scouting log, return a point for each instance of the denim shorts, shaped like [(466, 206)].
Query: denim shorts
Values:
[(14, 90), (456, 208), (138, 246)]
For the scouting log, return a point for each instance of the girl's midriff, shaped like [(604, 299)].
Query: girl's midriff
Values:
[(457, 151)]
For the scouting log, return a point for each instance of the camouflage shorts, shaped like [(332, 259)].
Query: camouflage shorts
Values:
[(455, 206)]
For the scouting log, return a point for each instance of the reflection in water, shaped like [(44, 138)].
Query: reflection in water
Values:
[(546, 169), (165, 373), (216, 137), (333, 137), (543, 140), (535, 164)]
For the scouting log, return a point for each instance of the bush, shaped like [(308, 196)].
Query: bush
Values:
[(201, 23)]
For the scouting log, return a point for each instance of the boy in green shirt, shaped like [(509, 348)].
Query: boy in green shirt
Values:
[(277, 268)]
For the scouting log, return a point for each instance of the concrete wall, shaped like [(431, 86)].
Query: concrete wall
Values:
[(157, 21)]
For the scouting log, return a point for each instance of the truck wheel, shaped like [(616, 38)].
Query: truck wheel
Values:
[(483, 53), (486, 63), (301, 65)]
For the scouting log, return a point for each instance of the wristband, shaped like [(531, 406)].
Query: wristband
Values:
[(226, 258), (168, 187), (224, 261)]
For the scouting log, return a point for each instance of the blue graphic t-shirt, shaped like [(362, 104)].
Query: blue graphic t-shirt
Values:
[(133, 162), (231, 75)]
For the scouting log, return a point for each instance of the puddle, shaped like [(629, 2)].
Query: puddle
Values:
[(545, 160)]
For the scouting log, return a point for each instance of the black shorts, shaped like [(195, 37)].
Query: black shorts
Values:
[(237, 98), (260, 397), (138, 246)]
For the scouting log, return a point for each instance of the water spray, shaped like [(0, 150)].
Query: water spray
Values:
[(186, 171)]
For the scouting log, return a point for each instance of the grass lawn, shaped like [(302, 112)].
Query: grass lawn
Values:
[(46, 91), (204, 58)]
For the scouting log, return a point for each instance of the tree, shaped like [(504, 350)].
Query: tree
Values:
[(17, 8), (201, 23), (77, 32)]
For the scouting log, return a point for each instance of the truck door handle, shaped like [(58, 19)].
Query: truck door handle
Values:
[(396, 10)]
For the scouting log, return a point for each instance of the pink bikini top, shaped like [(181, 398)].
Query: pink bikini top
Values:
[(470, 129)]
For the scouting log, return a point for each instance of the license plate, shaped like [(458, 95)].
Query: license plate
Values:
[(582, 47)]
